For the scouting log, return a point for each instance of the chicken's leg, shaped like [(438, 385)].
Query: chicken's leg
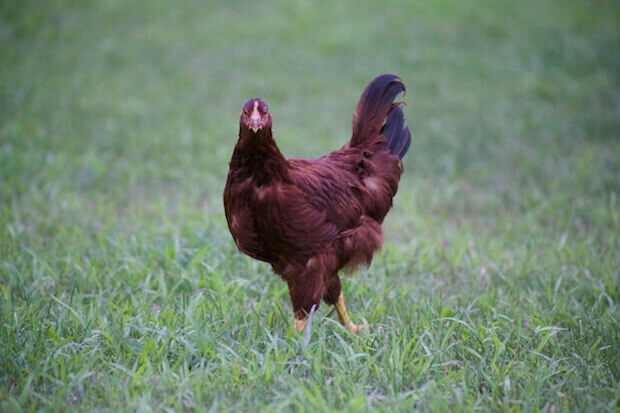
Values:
[(343, 316)]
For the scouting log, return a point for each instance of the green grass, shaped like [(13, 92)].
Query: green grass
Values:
[(121, 288)]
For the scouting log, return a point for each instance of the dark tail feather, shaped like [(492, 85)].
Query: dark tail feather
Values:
[(397, 138), (407, 139), (374, 105)]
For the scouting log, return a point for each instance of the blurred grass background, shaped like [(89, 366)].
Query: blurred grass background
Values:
[(117, 121)]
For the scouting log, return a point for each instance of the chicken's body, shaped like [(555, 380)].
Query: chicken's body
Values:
[(310, 218)]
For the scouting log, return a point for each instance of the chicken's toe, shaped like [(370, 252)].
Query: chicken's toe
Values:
[(300, 324), (357, 328)]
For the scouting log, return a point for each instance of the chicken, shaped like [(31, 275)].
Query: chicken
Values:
[(311, 218)]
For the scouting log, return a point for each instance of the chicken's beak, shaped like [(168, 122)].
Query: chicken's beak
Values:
[(256, 121)]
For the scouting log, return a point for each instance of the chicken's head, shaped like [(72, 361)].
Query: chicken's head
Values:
[(255, 115)]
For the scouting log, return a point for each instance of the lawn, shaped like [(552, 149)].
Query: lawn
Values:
[(120, 285)]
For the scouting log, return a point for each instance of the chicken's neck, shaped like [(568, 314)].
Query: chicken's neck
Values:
[(256, 155)]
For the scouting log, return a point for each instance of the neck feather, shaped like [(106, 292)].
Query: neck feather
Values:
[(256, 155)]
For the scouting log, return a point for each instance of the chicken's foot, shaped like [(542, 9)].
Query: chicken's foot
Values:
[(300, 324), (343, 316)]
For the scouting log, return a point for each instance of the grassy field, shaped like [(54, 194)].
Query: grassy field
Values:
[(121, 288)]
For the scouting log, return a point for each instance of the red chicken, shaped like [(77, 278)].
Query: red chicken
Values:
[(310, 218)]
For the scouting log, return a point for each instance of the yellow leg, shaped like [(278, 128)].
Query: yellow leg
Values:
[(300, 324), (343, 316)]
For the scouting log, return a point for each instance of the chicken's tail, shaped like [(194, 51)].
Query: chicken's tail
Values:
[(378, 121)]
